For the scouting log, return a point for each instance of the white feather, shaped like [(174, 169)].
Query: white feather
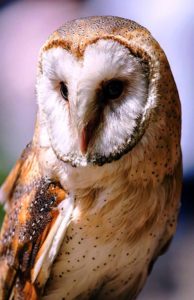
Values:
[(53, 240)]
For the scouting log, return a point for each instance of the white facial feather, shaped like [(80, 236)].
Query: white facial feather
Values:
[(102, 61)]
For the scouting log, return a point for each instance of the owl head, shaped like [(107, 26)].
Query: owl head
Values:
[(98, 88)]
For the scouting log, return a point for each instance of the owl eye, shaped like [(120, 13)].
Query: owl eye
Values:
[(113, 89), (64, 90)]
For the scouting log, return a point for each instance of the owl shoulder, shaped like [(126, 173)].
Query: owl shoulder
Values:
[(31, 201)]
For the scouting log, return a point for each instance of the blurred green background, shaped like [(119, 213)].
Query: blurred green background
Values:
[(2, 178)]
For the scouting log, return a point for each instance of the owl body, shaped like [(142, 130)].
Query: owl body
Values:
[(105, 254), (94, 199)]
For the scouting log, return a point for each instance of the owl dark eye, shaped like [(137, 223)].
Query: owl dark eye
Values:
[(113, 89), (64, 90)]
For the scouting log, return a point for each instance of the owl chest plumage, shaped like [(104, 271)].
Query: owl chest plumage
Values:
[(102, 249)]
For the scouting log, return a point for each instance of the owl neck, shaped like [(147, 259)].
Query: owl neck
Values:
[(91, 176)]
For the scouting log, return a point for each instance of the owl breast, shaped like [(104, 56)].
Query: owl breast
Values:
[(102, 252)]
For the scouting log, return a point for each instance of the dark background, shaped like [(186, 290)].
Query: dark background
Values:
[(25, 25)]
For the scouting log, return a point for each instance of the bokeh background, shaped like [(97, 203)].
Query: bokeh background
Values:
[(25, 25)]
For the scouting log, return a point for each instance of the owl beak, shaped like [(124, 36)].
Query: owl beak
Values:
[(88, 127), (84, 142), (86, 136)]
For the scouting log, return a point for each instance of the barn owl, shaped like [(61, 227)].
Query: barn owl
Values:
[(94, 198)]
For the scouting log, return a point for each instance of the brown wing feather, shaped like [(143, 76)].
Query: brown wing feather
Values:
[(32, 198)]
